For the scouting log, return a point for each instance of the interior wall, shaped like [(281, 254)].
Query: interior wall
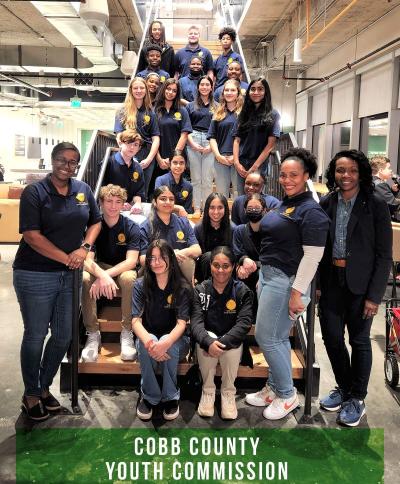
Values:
[(283, 99)]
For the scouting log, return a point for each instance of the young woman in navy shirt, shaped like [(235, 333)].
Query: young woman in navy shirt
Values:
[(247, 243), (179, 186), (161, 302), (258, 128), (153, 83), (177, 231), (200, 156), (137, 114), (220, 134), (190, 82), (293, 238), (221, 318), (59, 222), (215, 229), (174, 124)]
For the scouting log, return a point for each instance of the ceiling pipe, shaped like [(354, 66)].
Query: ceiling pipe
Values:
[(347, 67), (327, 26), (308, 13), (23, 83)]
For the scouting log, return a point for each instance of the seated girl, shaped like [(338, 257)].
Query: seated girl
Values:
[(161, 303), (221, 318)]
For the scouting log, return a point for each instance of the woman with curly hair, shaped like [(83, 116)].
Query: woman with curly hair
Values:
[(220, 134), (257, 130), (137, 114), (353, 277), (293, 238)]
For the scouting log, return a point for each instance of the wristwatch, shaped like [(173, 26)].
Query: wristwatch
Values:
[(86, 246)]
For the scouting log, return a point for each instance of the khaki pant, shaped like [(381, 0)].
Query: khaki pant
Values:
[(89, 308), (187, 268), (229, 362)]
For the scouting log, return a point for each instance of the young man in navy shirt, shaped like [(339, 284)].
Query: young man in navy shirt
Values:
[(153, 58), (123, 170), (234, 71), (183, 56), (116, 250), (254, 183), (227, 37), (181, 188)]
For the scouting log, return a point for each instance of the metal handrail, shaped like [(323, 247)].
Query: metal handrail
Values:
[(103, 168), (227, 13), (153, 4)]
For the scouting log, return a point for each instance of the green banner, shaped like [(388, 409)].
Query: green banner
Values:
[(305, 455)]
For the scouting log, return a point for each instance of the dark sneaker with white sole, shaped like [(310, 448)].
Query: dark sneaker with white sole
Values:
[(171, 409), (144, 409), (51, 403), (37, 413)]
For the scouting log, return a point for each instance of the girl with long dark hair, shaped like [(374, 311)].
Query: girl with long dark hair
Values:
[(257, 130), (161, 303)]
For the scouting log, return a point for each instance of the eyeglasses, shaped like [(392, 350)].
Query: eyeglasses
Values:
[(71, 163), (224, 267), (153, 260)]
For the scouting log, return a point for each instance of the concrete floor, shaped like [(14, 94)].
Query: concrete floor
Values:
[(116, 408)]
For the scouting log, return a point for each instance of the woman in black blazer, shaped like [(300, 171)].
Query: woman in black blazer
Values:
[(353, 277)]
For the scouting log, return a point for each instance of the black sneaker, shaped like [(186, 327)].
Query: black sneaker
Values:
[(144, 409), (51, 403), (171, 409), (38, 412)]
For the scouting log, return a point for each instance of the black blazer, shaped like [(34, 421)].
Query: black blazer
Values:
[(368, 246)]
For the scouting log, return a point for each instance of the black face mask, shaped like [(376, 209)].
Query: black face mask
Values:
[(254, 215), (196, 73)]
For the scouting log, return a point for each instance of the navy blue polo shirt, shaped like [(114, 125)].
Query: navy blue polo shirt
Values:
[(184, 56), (188, 87), (200, 118), (160, 317), (178, 233), (222, 132), (183, 190), (62, 219), (146, 124), (131, 178), (172, 124), (246, 242), (221, 66), (218, 91), (296, 222), (163, 74), (255, 140), (113, 242), (238, 213)]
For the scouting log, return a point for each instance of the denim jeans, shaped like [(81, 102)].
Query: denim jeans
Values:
[(45, 299), (151, 390), (148, 172), (224, 175), (273, 327), (201, 170)]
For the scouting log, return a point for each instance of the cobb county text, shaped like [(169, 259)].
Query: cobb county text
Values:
[(160, 458)]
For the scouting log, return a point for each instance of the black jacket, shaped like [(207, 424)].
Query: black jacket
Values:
[(383, 189), (368, 246), (230, 327), (167, 60)]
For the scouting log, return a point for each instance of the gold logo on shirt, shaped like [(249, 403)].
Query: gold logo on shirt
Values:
[(162, 78), (169, 299), (80, 197), (231, 304), (121, 237), (185, 193), (180, 235), (178, 116), (289, 210), (146, 119), (201, 53), (230, 60), (135, 176)]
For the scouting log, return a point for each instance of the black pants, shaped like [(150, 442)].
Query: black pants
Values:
[(339, 307)]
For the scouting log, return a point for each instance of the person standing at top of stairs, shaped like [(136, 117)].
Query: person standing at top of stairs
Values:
[(227, 37), (156, 35), (184, 55)]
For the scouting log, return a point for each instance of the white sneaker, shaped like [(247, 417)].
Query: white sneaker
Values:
[(262, 398), (92, 347), (228, 406), (206, 405), (280, 407), (128, 350)]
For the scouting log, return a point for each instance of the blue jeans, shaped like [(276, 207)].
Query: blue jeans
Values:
[(224, 175), (273, 327), (45, 299), (201, 170), (151, 390)]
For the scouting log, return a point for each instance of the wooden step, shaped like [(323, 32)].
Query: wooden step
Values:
[(110, 362), (109, 318)]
